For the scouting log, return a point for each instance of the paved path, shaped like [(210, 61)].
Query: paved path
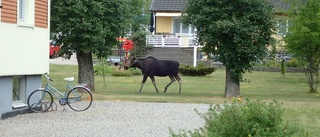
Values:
[(60, 60)]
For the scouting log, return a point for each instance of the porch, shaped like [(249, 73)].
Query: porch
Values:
[(171, 40), (179, 47)]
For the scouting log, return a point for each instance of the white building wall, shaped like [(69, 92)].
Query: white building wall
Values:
[(23, 50), (6, 97)]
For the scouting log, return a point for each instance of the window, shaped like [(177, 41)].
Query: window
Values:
[(283, 25), (18, 95), (178, 27), (26, 13), (22, 10)]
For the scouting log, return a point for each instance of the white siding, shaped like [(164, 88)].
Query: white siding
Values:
[(23, 50)]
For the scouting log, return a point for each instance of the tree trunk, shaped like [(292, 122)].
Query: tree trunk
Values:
[(85, 69), (312, 74), (232, 87)]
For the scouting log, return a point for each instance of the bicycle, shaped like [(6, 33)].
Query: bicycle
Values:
[(78, 98)]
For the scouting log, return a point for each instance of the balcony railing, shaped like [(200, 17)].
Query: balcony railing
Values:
[(170, 40)]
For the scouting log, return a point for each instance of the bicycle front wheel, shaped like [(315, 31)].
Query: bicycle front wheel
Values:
[(40, 100), (79, 98)]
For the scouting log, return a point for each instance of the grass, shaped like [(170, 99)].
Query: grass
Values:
[(301, 106)]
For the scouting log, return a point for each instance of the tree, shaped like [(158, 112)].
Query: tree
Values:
[(140, 18), (303, 39), (87, 27), (238, 31)]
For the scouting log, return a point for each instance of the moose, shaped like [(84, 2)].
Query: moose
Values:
[(151, 67)]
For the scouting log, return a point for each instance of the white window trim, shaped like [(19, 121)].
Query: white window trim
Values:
[(18, 104), (181, 26), (22, 94), (28, 15)]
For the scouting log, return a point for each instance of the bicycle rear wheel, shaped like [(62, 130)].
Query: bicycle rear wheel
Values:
[(79, 98), (40, 100)]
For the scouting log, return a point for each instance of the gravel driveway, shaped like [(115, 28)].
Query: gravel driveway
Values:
[(107, 119)]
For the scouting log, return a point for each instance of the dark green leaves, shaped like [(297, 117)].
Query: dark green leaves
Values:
[(91, 26), (238, 31)]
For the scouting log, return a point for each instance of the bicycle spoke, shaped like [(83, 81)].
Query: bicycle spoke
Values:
[(79, 98), (40, 101)]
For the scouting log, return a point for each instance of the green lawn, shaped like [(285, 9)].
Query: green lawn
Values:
[(301, 107)]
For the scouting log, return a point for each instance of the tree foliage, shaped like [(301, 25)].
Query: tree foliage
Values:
[(87, 27), (237, 31), (140, 17), (303, 39)]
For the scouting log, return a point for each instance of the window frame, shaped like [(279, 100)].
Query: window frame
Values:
[(19, 83), (282, 27), (26, 13), (182, 29)]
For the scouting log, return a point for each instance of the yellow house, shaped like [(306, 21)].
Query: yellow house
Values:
[(24, 51), (168, 30)]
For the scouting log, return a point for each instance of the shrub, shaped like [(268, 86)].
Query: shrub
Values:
[(129, 72), (272, 63), (293, 62), (102, 67), (250, 119), (283, 67), (199, 70), (121, 73), (135, 71)]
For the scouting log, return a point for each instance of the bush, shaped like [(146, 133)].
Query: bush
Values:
[(135, 71), (293, 62), (121, 73), (102, 67), (199, 70), (250, 119), (283, 67), (106, 69), (273, 64), (125, 73)]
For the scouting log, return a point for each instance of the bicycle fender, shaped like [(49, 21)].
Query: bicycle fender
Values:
[(81, 86)]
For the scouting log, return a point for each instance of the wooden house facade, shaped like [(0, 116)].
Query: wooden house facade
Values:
[(24, 51)]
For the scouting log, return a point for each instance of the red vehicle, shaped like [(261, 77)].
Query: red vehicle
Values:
[(54, 49)]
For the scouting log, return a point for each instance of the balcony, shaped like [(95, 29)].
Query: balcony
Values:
[(171, 40)]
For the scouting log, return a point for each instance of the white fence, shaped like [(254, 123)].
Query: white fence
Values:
[(170, 41)]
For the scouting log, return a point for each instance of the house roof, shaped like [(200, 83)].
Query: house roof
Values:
[(168, 5), (178, 5)]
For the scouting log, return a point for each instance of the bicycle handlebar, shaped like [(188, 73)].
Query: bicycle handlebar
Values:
[(47, 76)]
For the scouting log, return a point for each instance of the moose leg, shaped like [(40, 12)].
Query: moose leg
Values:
[(172, 80), (154, 83), (180, 81), (143, 81)]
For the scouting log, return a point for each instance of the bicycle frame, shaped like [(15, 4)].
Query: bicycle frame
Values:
[(57, 93), (71, 97)]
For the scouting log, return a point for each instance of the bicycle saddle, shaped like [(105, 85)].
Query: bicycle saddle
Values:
[(69, 79)]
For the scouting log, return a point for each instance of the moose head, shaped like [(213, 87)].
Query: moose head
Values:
[(129, 63)]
